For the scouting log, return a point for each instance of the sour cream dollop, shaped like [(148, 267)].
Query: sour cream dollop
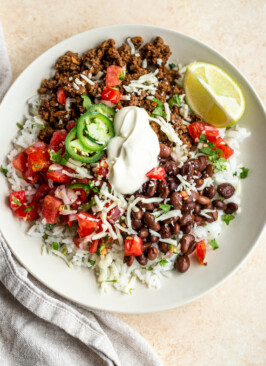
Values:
[(133, 152)]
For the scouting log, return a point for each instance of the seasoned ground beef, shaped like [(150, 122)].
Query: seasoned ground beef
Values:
[(94, 63)]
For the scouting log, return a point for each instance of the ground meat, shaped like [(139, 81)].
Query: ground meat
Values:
[(71, 66)]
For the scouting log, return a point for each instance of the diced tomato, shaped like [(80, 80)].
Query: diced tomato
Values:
[(133, 246), (201, 251), (102, 168), (61, 96), (70, 125), (88, 223), (50, 209), (27, 212), (59, 176), (70, 223), (38, 157), (77, 241), (42, 190), (114, 76), (58, 140), (17, 199), (19, 162), (157, 173), (111, 94), (94, 246), (212, 135)]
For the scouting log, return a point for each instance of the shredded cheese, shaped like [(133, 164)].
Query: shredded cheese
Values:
[(167, 129), (87, 79), (169, 215)]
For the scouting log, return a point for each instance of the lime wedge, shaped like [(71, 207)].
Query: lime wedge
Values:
[(213, 94)]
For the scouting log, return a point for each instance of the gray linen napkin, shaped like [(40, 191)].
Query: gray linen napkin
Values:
[(39, 328)]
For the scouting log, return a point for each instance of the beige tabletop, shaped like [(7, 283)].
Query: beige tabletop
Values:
[(228, 326)]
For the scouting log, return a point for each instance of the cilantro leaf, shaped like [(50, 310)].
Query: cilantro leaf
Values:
[(163, 262), (28, 209), (244, 173), (172, 66), (92, 262), (49, 226), (215, 154), (16, 201), (227, 218), (203, 138), (165, 207), (235, 174), (111, 281), (175, 100), (45, 236), (86, 101), (214, 244), (159, 110), (19, 125), (55, 157), (55, 245), (4, 170)]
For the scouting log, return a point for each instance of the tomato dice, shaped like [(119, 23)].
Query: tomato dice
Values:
[(27, 212), (42, 190), (70, 125), (133, 246), (50, 209), (114, 75), (38, 157), (94, 246), (157, 173), (19, 162), (201, 251), (61, 97), (111, 94), (212, 135), (17, 199), (102, 169), (59, 176), (58, 140), (88, 224)]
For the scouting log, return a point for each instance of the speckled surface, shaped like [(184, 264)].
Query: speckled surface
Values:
[(228, 326)]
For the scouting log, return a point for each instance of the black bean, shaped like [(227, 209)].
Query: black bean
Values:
[(185, 243), (176, 200), (186, 219), (182, 263), (152, 253), (165, 151), (153, 238), (195, 163), (219, 204), (188, 206), (146, 246), (137, 215), (203, 161), (187, 170), (163, 189), (175, 229), (203, 200), (187, 228), (231, 208), (172, 183), (210, 191), (143, 233), (136, 224), (199, 220), (197, 208), (163, 247), (171, 167), (226, 190), (165, 232), (192, 197), (212, 216), (152, 187), (150, 221), (129, 260), (142, 259), (199, 182), (208, 171)]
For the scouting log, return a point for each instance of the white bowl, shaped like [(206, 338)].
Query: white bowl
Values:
[(78, 284)]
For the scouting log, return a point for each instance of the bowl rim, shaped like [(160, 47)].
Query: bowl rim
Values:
[(255, 94)]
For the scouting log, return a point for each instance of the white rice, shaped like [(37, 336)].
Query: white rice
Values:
[(110, 269)]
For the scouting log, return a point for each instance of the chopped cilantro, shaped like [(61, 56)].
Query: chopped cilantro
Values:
[(227, 218), (215, 155), (86, 101), (36, 166), (165, 207), (99, 251), (111, 281), (214, 244), (93, 188), (244, 173), (235, 174), (175, 100), (150, 268), (59, 219), (55, 157), (130, 290), (172, 66), (65, 207), (19, 125), (49, 226), (45, 236), (159, 110), (203, 138), (55, 245), (163, 262), (4, 170), (16, 201), (92, 262), (105, 238), (28, 209)]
